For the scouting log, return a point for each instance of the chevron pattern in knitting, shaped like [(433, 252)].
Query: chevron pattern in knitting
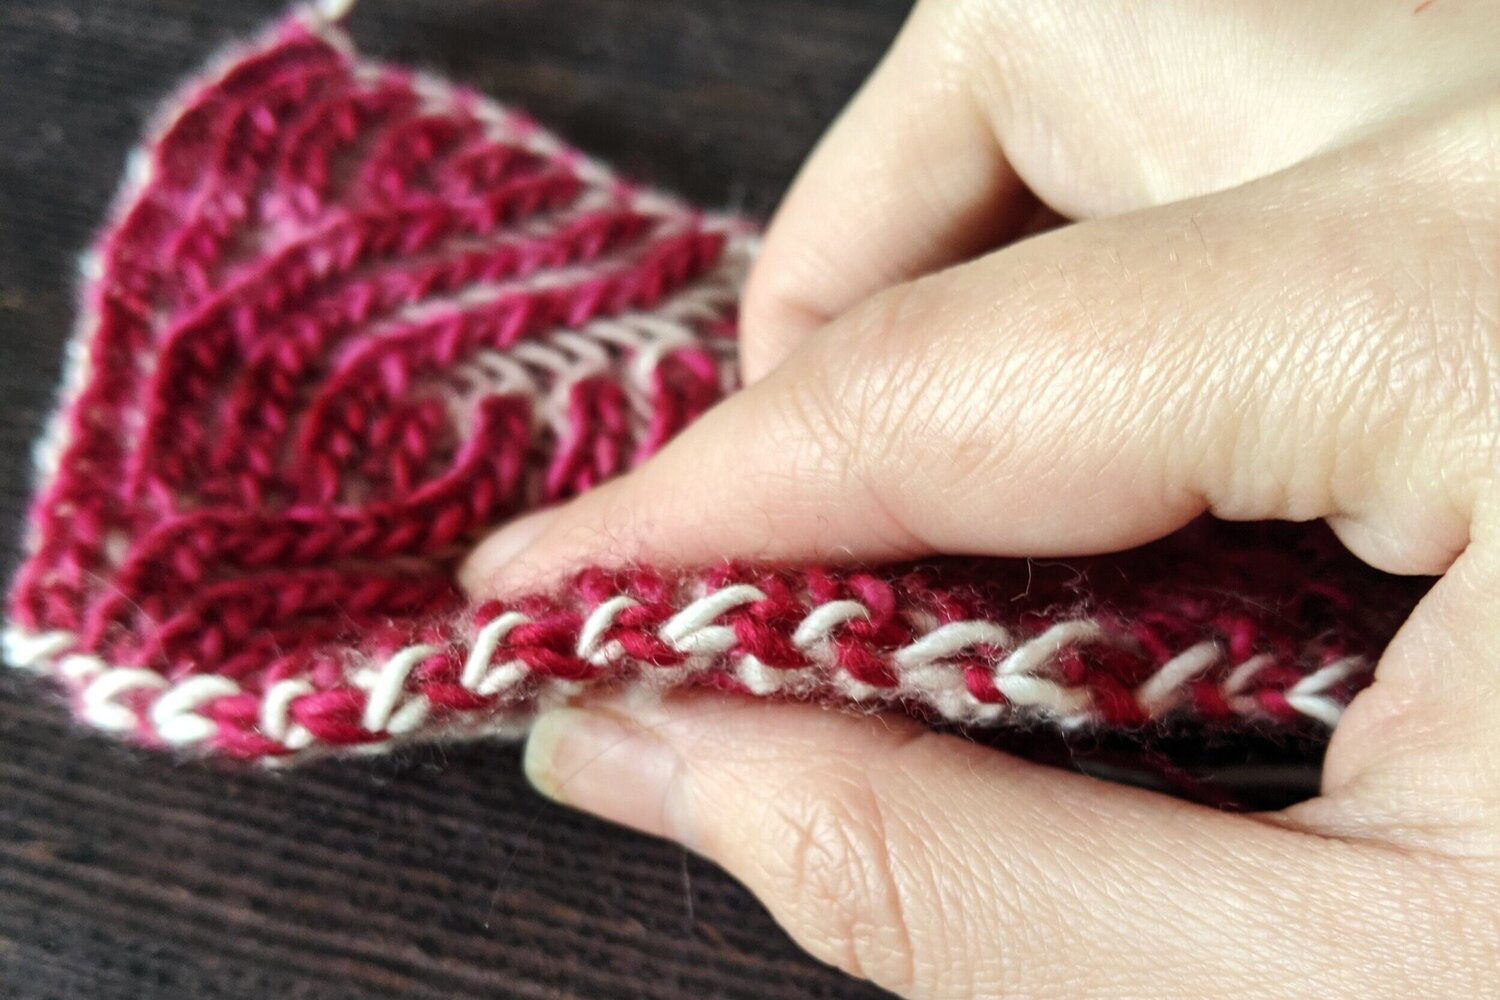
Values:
[(347, 316)]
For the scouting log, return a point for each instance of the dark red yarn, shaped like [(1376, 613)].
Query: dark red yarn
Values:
[(347, 317)]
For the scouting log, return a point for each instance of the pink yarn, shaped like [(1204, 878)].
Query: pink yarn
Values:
[(348, 316)]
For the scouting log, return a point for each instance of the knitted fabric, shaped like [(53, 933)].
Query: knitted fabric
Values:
[(347, 316)]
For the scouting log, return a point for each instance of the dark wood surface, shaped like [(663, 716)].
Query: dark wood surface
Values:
[(435, 873)]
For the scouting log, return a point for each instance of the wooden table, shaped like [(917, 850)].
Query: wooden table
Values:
[(436, 873)]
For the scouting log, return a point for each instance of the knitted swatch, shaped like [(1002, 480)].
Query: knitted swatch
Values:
[(348, 316)]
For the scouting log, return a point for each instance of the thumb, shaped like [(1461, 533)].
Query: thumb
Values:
[(938, 868)]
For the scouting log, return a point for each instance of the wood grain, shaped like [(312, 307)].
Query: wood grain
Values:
[(436, 873)]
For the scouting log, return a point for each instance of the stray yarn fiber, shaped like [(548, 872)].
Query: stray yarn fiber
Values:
[(347, 316)]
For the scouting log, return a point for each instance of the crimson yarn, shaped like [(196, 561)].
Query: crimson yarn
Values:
[(348, 315)]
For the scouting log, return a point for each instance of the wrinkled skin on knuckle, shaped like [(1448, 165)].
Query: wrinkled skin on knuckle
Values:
[(1120, 144), (830, 425), (866, 873), (832, 880), (1416, 316), (980, 377), (903, 361), (895, 399), (1068, 359), (1150, 130), (1467, 303), (1381, 352)]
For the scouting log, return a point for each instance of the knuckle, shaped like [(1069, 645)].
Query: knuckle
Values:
[(906, 399), (1430, 308), (858, 393), (823, 428), (899, 361), (831, 415), (832, 876)]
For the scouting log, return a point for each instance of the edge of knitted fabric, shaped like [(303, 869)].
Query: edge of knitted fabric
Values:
[(853, 638)]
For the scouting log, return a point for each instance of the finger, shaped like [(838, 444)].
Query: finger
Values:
[(926, 166), (908, 179), (1415, 757), (937, 868), (1318, 343)]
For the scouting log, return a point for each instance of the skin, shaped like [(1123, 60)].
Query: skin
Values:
[(1277, 297)]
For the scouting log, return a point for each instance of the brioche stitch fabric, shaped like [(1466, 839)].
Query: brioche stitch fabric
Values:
[(347, 316)]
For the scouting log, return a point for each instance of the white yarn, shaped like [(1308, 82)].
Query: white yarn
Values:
[(485, 643), (1240, 677), (174, 713), (80, 667), (562, 357), (1043, 694), (1031, 657), (598, 622), (824, 619), (950, 639), (924, 672), (1307, 695), (409, 716), (31, 651), (1163, 688), (333, 10), (99, 698), (275, 710), (690, 631), (763, 679), (389, 684), (506, 675)]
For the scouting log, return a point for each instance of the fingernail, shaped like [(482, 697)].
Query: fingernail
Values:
[(485, 567), (607, 765)]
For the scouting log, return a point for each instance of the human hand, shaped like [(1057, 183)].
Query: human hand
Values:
[(1283, 301)]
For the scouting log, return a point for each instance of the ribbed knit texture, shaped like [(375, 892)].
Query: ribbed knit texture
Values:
[(347, 316)]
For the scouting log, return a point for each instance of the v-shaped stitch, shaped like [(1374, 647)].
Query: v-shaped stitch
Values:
[(348, 315)]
